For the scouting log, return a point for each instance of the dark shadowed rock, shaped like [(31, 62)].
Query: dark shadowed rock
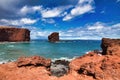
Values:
[(54, 37), (110, 46), (59, 68), (33, 61), (12, 34)]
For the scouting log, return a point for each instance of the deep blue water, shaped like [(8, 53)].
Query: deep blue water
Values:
[(62, 49)]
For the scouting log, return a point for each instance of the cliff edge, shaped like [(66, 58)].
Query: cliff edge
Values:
[(12, 34)]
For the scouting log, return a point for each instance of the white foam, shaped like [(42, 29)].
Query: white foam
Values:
[(64, 58), (6, 42), (6, 61), (88, 52), (10, 46)]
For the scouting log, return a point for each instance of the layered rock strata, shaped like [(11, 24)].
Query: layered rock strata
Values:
[(110, 46), (12, 34)]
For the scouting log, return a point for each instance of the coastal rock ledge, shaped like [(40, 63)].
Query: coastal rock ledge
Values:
[(12, 34), (91, 66)]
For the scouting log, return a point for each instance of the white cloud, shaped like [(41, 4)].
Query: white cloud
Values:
[(83, 6), (50, 21), (97, 30), (22, 21), (37, 33), (55, 12), (48, 13), (94, 31), (96, 26), (45, 12), (27, 21), (27, 9)]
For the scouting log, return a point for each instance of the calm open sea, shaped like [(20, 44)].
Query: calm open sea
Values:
[(67, 49)]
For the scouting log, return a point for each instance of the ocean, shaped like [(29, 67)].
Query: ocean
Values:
[(65, 49)]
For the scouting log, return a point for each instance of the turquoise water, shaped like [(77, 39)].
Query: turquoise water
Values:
[(62, 49)]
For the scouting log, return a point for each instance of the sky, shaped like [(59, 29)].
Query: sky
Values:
[(73, 19)]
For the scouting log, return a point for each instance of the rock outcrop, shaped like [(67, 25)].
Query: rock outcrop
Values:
[(110, 46), (92, 66), (96, 67), (12, 34), (33, 61), (54, 37)]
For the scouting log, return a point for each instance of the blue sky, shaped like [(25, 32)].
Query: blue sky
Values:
[(73, 19)]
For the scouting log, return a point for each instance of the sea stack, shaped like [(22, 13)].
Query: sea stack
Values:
[(54, 37), (12, 34)]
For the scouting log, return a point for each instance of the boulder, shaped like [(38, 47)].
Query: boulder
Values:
[(54, 37), (110, 46), (33, 61), (59, 68), (12, 34)]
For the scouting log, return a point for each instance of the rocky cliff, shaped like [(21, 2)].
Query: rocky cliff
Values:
[(110, 46), (54, 37), (91, 66), (11, 34)]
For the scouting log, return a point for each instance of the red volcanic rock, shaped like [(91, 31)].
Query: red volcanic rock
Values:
[(11, 34), (34, 60), (96, 67), (10, 71), (110, 46), (88, 67), (54, 37)]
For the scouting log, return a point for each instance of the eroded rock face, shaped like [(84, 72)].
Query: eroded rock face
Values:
[(97, 67), (33, 61), (54, 37), (110, 46), (11, 34)]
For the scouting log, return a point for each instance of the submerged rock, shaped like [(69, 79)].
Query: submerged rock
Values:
[(12, 34), (54, 37)]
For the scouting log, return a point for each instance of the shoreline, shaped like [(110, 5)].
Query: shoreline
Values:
[(94, 65)]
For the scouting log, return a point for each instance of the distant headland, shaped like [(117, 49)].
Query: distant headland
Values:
[(13, 34)]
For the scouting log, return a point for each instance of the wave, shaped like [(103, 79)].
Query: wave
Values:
[(64, 58), (88, 52), (6, 61), (6, 42), (10, 46)]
